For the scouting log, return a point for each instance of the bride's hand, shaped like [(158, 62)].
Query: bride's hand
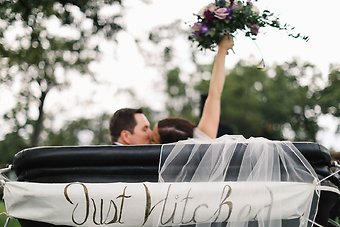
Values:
[(226, 43)]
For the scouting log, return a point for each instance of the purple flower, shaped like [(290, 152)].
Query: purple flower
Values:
[(254, 29), (208, 15), (210, 7), (230, 12), (199, 28), (221, 13), (196, 27), (207, 12), (204, 29)]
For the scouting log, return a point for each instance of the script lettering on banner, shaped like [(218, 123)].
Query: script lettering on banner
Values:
[(171, 207)]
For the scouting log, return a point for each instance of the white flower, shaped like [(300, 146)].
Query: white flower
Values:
[(211, 7), (255, 10)]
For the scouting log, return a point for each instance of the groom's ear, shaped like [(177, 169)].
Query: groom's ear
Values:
[(125, 136)]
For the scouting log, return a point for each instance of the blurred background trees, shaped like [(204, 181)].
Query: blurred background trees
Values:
[(43, 43), (271, 103), (40, 42), (279, 102)]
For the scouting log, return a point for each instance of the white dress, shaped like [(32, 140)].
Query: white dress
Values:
[(198, 134)]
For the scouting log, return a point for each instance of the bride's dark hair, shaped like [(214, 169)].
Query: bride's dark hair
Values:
[(175, 129)]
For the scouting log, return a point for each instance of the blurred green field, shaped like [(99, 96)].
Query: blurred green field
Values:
[(13, 222)]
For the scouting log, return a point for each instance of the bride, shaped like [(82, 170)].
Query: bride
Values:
[(174, 129), (193, 154)]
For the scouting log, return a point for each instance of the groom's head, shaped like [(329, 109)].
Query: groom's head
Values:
[(130, 126)]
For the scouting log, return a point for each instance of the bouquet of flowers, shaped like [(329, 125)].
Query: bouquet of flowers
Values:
[(226, 17)]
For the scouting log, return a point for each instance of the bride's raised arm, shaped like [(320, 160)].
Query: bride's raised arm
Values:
[(209, 121)]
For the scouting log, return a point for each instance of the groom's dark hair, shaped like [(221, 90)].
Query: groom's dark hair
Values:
[(123, 119)]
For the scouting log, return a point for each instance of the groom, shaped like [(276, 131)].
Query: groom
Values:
[(130, 126)]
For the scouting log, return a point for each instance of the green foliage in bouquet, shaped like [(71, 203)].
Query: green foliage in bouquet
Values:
[(226, 17)]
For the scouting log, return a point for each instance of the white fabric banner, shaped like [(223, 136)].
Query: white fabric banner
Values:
[(156, 204)]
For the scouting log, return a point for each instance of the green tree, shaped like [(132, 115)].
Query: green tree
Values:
[(329, 97), (280, 102), (180, 102), (175, 82), (12, 143), (272, 103), (40, 41), (82, 131)]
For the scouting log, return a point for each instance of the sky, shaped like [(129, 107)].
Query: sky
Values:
[(319, 23), (122, 66)]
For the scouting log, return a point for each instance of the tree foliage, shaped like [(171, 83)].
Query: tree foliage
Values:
[(329, 97), (180, 101), (39, 42), (175, 83), (12, 143), (82, 131), (271, 103), (281, 102)]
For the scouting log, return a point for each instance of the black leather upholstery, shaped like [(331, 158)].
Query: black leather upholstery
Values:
[(123, 163), (88, 164)]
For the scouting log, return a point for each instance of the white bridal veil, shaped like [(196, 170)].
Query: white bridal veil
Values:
[(279, 187)]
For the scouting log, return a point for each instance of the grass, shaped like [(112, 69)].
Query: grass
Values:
[(12, 223)]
